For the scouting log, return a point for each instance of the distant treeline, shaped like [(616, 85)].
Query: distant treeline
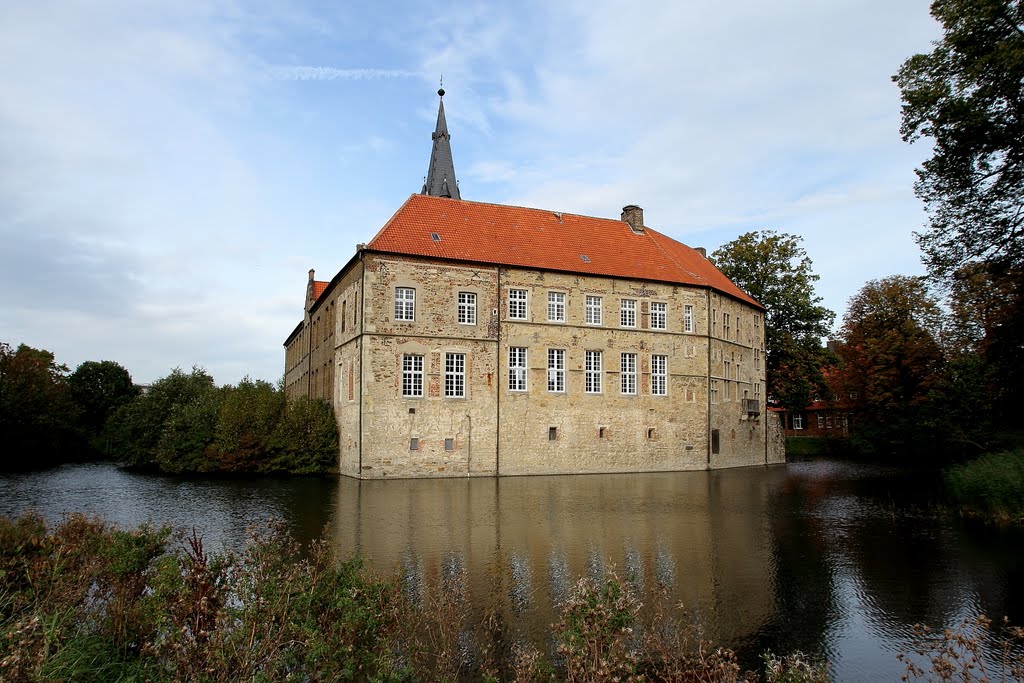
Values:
[(182, 424)]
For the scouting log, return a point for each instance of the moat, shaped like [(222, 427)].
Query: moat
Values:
[(830, 558)]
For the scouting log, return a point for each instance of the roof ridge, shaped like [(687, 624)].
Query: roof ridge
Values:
[(529, 208)]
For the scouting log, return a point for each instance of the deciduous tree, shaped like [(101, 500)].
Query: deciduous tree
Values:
[(892, 363), (774, 269), (967, 96)]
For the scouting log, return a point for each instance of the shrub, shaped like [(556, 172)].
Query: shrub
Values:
[(991, 486)]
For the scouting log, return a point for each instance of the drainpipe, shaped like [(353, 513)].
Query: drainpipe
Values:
[(469, 444), (707, 332), (497, 388)]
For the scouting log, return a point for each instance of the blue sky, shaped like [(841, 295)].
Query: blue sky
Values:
[(171, 170)]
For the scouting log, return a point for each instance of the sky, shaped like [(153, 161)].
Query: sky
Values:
[(170, 171)]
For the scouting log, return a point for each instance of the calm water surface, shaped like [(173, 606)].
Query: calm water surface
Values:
[(830, 558)]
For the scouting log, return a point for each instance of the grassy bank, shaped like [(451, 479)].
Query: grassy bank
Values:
[(990, 487), (87, 602)]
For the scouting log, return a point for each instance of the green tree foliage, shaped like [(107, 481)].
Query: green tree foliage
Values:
[(99, 388), (967, 95), (306, 438), (249, 415), (986, 304), (185, 424), (774, 269), (38, 417), (892, 363), (135, 432)]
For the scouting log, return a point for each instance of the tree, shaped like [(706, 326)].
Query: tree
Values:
[(774, 269), (967, 95), (248, 417), (99, 388), (892, 364), (37, 415), (306, 438)]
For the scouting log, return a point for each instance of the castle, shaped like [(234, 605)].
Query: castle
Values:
[(476, 339)]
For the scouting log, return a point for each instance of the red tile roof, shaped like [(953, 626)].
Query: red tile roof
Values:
[(318, 288), (546, 240)]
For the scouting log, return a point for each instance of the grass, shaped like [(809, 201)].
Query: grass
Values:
[(990, 487)]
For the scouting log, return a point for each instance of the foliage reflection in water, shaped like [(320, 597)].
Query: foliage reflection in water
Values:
[(829, 558)]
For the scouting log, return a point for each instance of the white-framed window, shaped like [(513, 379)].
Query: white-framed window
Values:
[(714, 391), (412, 375), (821, 421), (659, 375), (556, 307), (556, 370), (687, 318), (405, 303), (592, 380), (659, 315), (593, 311), (517, 368), (517, 304), (455, 375), (627, 373), (726, 325), (798, 421), (627, 313), (467, 308)]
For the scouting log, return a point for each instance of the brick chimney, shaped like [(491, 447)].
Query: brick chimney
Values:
[(702, 251), (633, 215)]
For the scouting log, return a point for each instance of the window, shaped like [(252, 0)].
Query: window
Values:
[(652, 434), (556, 307), (627, 313), (552, 433), (517, 369), (467, 308), (405, 303), (714, 391), (627, 374), (659, 375), (798, 421), (821, 421), (455, 375), (715, 442), (757, 359), (517, 304), (344, 314), (726, 325), (412, 375), (449, 444), (687, 318), (593, 310), (556, 370), (659, 315), (593, 372), (414, 444), (602, 432)]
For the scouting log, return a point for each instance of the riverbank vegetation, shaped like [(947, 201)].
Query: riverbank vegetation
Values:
[(85, 601), (183, 423), (990, 487)]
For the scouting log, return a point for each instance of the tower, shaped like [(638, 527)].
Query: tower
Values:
[(440, 180)]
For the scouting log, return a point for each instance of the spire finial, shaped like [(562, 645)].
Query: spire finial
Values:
[(440, 90)]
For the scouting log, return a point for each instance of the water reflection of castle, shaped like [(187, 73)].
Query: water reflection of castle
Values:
[(690, 532)]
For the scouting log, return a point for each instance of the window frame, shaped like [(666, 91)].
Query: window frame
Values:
[(627, 312), (627, 373), (659, 315), (688, 318), (594, 310), (466, 308), (592, 372), (556, 371), (518, 304), (659, 375), (405, 306), (454, 374), (517, 368), (556, 307), (412, 376)]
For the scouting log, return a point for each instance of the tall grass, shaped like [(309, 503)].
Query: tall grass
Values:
[(991, 486)]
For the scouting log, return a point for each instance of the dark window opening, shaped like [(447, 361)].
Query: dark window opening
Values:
[(714, 442), (552, 433)]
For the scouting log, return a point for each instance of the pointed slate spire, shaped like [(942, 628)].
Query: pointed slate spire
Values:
[(440, 181)]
